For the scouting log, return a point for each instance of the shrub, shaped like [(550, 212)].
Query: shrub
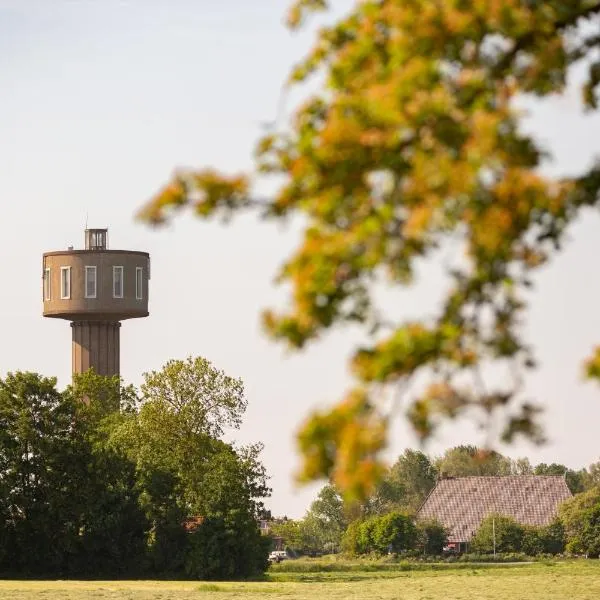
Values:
[(508, 535), (580, 516), (350, 538), (431, 537), (227, 547), (543, 540), (393, 532)]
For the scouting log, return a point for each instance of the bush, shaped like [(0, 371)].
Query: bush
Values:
[(227, 547), (580, 516), (350, 538), (508, 535), (431, 537), (543, 540), (393, 532)]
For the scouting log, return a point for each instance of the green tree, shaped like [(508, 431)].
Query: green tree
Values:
[(174, 440), (522, 466), (593, 475), (417, 474), (412, 143), (403, 487), (234, 479), (329, 507), (431, 537), (580, 516), (576, 480), (351, 539), (40, 516), (464, 461), (325, 521), (507, 533), (394, 533), (204, 397), (183, 466), (73, 502), (227, 546), (290, 532), (544, 540), (389, 494)]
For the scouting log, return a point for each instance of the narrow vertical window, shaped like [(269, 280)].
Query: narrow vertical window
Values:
[(47, 284), (90, 282), (117, 282), (65, 283), (139, 292)]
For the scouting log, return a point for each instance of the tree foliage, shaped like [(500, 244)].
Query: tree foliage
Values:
[(325, 521), (577, 481), (174, 440), (203, 397), (393, 532), (227, 546), (403, 486), (99, 481), (432, 536), (464, 461), (69, 502), (414, 143), (544, 540), (511, 536), (581, 519), (507, 533)]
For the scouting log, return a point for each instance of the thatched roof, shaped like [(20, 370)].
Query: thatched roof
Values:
[(461, 503)]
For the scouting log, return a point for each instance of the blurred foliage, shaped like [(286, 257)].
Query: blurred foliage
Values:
[(413, 143)]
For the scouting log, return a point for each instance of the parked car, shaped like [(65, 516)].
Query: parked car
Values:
[(278, 555)]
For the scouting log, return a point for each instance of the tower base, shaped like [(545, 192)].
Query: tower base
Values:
[(96, 344)]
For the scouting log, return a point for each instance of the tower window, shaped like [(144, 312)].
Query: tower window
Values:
[(139, 281), (117, 282), (65, 283), (46, 284), (90, 282)]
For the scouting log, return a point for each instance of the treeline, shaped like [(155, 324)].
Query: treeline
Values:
[(330, 526), (105, 480)]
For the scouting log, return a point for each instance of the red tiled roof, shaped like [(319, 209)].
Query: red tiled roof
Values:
[(461, 503), (192, 523)]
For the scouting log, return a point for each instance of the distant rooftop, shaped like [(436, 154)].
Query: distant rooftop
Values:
[(461, 503)]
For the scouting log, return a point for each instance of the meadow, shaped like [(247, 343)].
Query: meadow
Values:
[(574, 580)]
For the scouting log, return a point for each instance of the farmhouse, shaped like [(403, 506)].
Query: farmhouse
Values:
[(461, 503)]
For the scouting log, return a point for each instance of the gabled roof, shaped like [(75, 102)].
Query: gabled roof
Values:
[(461, 503)]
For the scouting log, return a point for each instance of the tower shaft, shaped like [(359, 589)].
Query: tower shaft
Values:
[(96, 344)]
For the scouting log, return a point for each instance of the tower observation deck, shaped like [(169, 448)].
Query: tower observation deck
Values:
[(95, 288)]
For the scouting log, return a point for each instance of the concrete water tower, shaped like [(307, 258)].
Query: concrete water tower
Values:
[(96, 288)]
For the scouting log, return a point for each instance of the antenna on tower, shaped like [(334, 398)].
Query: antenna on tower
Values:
[(86, 220)]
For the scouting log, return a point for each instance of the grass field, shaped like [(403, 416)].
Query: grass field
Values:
[(566, 580)]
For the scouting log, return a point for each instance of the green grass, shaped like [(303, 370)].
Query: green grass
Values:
[(333, 563), (574, 580)]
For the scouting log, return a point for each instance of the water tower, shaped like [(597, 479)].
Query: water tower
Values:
[(96, 288)]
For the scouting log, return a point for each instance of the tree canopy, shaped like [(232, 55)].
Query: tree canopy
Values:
[(103, 480), (411, 144)]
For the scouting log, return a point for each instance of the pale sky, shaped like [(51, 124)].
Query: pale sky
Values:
[(99, 101)]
